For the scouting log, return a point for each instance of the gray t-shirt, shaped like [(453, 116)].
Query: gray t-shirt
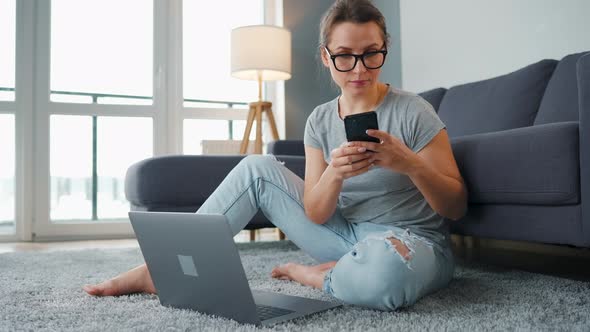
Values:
[(382, 195)]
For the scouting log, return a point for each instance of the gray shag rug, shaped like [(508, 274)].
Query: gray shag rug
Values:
[(42, 292)]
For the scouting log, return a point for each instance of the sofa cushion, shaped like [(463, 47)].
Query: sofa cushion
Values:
[(505, 102), (560, 102), (434, 97), (531, 165)]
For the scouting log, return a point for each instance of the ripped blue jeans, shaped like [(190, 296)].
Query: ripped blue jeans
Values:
[(370, 271)]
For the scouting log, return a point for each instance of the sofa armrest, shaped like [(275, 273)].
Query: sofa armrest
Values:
[(185, 180), (536, 165), (286, 147), (583, 77)]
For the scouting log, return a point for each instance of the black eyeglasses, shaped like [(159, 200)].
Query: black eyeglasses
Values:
[(347, 62)]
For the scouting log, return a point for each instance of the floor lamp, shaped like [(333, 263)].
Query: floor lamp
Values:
[(260, 53)]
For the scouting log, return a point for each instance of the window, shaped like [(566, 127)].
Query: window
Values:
[(7, 116), (89, 158), (207, 82), (7, 174), (206, 49), (98, 55), (196, 131), (71, 167), (110, 65), (7, 45), (97, 93), (76, 163), (116, 151)]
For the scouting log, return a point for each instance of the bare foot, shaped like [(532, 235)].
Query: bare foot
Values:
[(303, 274), (137, 280)]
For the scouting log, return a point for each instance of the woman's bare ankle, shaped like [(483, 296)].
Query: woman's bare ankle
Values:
[(145, 283)]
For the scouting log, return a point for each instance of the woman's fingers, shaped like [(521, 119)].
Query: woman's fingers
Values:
[(350, 159), (358, 165), (344, 151), (358, 168)]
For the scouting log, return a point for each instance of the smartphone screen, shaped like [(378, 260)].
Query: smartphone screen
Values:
[(357, 124)]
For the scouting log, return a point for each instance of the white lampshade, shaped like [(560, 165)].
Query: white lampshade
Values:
[(263, 50)]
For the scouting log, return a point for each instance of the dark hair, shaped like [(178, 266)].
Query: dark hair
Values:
[(355, 11)]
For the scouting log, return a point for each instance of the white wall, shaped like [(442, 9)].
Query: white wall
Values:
[(445, 43)]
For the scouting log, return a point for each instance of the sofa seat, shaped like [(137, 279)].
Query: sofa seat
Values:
[(536, 165)]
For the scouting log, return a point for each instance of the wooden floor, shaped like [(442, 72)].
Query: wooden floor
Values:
[(562, 261), (268, 234)]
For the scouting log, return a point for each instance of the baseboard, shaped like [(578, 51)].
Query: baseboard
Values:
[(471, 242), (68, 238)]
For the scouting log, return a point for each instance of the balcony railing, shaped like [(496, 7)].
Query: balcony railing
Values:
[(95, 98)]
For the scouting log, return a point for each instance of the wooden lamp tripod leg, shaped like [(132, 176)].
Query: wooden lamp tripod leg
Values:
[(271, 121), (258, 146), (246, 139)]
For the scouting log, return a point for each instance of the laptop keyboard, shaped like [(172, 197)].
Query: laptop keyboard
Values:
[(266, 312)]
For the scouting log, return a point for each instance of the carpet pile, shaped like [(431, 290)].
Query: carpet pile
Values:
[(42, 292)]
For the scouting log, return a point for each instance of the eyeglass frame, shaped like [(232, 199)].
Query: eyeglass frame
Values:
[(356, 58)]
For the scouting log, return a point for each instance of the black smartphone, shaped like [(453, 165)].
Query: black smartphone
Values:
[(357, 124)]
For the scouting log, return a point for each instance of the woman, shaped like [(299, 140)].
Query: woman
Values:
[(371, 213)]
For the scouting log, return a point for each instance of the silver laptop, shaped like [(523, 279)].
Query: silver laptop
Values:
[(194, 264)]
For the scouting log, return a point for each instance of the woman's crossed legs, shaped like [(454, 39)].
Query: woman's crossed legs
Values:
[(384, 271)]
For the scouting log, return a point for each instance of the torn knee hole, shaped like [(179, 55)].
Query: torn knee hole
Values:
[(400, 247)]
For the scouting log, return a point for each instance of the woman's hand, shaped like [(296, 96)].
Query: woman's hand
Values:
[(348, 160), (391, 153)]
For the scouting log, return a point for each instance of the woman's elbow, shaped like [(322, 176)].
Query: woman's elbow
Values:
[(461, 210), (460, 213), (314, 218)]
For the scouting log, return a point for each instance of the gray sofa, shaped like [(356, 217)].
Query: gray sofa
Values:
[(521, 140)]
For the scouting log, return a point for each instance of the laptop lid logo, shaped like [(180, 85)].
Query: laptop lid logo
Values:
[(188, 265)]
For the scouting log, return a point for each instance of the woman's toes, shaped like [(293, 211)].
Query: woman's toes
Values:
[(282, 272), (96, 290), (276, 272), (107, 288), (90, 289)]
